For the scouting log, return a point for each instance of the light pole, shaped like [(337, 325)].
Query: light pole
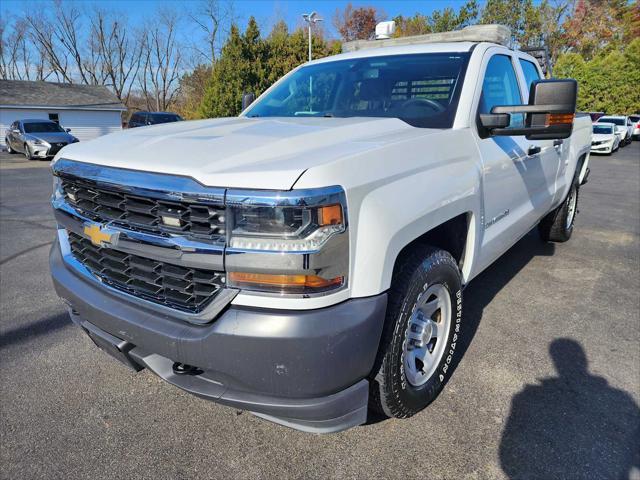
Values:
[(311, 18)]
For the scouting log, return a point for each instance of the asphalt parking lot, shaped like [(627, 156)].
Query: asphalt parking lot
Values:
[(548, 387)]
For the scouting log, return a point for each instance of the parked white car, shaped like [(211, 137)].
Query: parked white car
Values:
[(623, 127), (605, 138), (305, 261), (635, 124)]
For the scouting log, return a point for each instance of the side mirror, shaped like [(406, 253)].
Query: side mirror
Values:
[(16, 130), (247, 99), (67, 130), (549, 114)]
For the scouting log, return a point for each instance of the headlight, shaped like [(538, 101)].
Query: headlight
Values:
[(35, 141), (57, 188), (298, 229), (308, 231)]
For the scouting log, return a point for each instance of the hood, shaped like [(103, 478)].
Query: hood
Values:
[(599, 137), (52, 137), (260, 153)]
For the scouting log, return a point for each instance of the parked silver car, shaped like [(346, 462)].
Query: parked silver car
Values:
[(37, 138)]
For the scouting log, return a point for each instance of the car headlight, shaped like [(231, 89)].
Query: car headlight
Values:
[(292, 242), (57, 188)]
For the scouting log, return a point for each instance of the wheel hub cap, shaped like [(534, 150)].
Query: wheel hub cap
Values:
[(427, 334)]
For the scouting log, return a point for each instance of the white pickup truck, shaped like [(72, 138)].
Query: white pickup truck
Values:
[(306, 260)]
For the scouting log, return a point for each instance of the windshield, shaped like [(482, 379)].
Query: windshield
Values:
[(42, 127), (421, 89), (602, 129), (634, 118), (163, 118), (617, 121)]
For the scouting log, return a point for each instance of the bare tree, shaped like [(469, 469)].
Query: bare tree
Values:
[(18, 60), (56, 58), (211, 16), (161, 62), (120, 55)]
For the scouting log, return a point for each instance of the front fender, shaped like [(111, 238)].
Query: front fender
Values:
[(443, 181)]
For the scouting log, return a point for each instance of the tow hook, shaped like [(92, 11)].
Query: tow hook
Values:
[(184, 369)]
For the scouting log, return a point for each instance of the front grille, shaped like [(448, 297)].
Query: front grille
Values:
[(56, 147), (187, 289), (144, 213)]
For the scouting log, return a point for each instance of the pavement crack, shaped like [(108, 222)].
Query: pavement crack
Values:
[(30, 222), (27, 250)]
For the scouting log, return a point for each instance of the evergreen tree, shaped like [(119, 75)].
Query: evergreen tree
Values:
[(606, 83), (250, 64), (223, 96)]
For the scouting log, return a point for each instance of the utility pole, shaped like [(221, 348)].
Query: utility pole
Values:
[(311, 18)]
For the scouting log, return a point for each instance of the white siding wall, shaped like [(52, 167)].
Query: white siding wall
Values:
[(84, 124)]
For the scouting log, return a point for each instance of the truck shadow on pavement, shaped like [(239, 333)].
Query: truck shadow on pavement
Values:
[(571, 426), (26, 333)]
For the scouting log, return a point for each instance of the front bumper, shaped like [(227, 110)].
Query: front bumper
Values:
[(45, 150), (602, 148), (304, 369)]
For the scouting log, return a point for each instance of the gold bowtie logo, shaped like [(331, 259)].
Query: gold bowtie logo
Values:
[(100, 236)]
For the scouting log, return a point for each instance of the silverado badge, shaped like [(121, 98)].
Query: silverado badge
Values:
[(101, 236)]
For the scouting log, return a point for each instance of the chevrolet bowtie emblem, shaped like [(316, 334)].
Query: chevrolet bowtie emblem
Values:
[(101, 236)]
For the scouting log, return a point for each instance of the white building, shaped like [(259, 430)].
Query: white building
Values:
[(88, 110)]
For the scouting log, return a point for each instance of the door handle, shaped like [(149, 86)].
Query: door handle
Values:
[(533, 150)]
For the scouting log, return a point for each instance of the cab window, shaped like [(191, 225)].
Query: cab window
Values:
[(500, 87), (530, 71)]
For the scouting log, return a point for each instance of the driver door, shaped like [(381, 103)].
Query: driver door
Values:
[(516, 171)]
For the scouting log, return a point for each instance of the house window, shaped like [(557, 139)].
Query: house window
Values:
[(54, 118)]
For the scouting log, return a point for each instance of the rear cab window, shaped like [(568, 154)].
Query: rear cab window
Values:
[(530, 71)]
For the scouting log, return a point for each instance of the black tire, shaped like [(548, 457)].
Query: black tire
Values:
[(9, 149), (556, 225), (391, 394)]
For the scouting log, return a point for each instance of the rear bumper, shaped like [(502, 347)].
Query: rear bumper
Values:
[(304, 369)]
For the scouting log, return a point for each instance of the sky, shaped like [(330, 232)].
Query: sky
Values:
[(265, 11)]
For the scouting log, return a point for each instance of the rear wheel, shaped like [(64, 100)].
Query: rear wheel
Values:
[(557, 226), (421, 332)]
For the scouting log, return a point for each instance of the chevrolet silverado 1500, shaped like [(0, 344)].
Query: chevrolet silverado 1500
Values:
[(305, 261)]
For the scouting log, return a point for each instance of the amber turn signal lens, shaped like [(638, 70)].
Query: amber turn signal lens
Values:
[(283, 281), (559, 118), (330, 215)]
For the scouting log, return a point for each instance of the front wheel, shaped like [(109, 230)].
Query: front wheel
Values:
[(557, 226), (422, 329), (9, 149), (27, 152)]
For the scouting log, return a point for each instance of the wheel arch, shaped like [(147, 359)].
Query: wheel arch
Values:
[(455, 236)]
